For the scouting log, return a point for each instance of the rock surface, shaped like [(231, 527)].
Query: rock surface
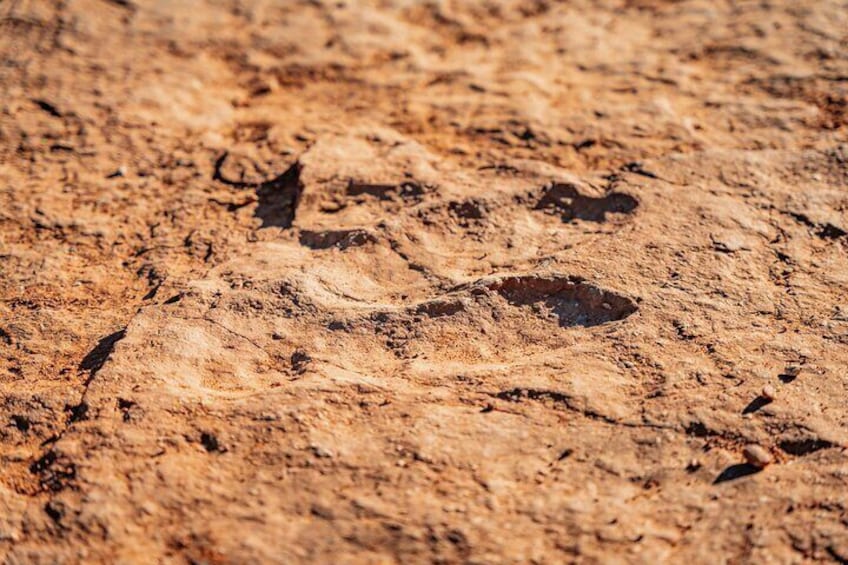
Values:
[(407, 282)]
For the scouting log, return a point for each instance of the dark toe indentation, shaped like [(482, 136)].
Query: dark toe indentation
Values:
[(341, 239), (566, 200), (573, 300)]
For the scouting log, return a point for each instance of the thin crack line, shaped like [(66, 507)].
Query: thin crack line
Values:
[(225, 328)]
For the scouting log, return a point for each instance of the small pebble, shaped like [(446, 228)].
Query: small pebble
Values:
[(769, 393), (792, 370), (119, 172), (757, 456), (321, 452)]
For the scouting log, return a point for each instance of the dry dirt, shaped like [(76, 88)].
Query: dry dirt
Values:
[(396, 281)]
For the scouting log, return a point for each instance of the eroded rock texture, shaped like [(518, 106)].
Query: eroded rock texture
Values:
[(393, 281)]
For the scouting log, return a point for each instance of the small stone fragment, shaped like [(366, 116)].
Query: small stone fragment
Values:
[(321, 452), (119, 172), (757, 456), (769, 392)]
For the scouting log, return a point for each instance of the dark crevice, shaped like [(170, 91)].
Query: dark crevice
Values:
[(126, 407), (21, 422), (639, 169), (471, 209), (151, 294), (804, 446), (756, 404), (736, 472), (48, 107), (438, 308), (341, 239), (55, 472), (565, 454), (299, 361), (277, 198), (558, 398), (518, 394), (78, 412), (97, 357), (406, 190), (55, 510), (824, 231), (566, 200), (841, 558), (574, 301), (698, 429), (210, 443)]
